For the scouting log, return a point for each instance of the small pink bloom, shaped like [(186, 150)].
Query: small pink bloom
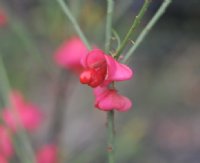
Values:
[(47, 154), (101, 68), (28, 114), (6, 148), (110, 99), (69, 54), (117, 71), (3, 18)]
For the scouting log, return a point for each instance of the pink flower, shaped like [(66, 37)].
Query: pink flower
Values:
[(3, 18), (109, 99), (68, 55), (22, 111), (6, 148), (100, 68), (47, 154)]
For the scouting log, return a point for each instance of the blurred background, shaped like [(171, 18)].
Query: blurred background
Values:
[(164, 123)]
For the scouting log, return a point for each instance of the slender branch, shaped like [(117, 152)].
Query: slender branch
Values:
[(110, 114), (19, 151), (148, 27), (108, 32), (135, 24), (21, 135), (111, 135), (5, 86), (68, 13)]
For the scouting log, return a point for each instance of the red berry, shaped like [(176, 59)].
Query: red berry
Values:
[(97, 79), (86, 76), (94, 76)]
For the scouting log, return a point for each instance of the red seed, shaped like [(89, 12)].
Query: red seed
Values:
[(94, 76), (97, 79), (86, 76)]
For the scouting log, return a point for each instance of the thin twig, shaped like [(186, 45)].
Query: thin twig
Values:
[(108, 32), (148, 27), (111, 137), (5, 86), (110, 114), (131, 31), (68, 13), (6, 89)]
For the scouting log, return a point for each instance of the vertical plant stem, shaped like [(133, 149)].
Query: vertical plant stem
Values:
[(4, 86), (19, 151), (148, 27), (110, 114), (22, 134), (68, 13), (108, 33), (111, 135), (135, 24)]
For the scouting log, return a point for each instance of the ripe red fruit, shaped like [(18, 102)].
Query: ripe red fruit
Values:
[(92, 77), (86, 76)]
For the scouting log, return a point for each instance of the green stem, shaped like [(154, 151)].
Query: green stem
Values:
[(148, 27), (5, 86), (111, 135), (19, 151), (22, 135), (135, 24), (110, 114), (68, 13), (109, 24)]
